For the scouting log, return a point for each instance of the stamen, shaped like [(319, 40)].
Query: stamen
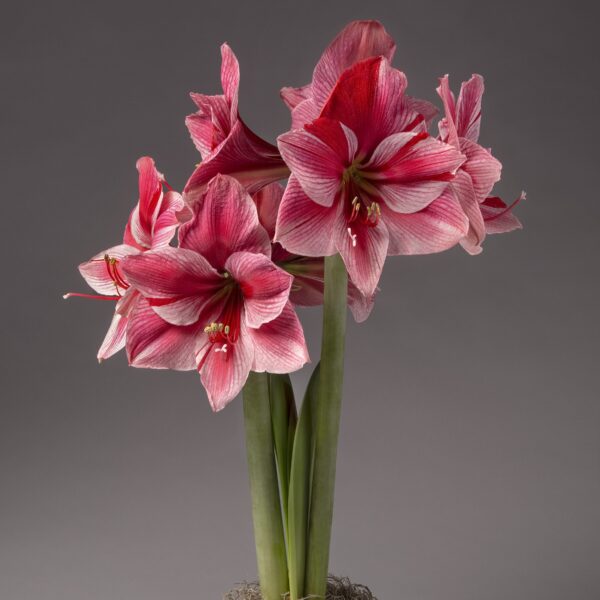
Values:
[(352, 237), (113, 272), (90, 296), (373, 214)]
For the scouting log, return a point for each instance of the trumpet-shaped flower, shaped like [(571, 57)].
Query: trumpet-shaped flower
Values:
[(367, 180), (217, 302), (475, 180), (225, 142), (151, 225)]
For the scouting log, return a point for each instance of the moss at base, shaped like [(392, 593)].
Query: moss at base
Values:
[(338, 588)]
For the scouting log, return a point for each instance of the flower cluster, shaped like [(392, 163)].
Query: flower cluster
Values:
[(365, 178)]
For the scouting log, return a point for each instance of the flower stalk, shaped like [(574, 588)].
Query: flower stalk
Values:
[(327, 420), (264, 489)]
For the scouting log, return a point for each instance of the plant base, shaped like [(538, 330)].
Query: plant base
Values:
[(338, 588)]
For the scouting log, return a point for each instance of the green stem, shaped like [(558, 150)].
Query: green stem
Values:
[(264, 489), (328, 409)]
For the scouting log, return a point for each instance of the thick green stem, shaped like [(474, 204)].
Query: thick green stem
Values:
[(328, 408), (264, 489)]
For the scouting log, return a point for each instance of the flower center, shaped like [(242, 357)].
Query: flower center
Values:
[(224, 333), (357, 194)]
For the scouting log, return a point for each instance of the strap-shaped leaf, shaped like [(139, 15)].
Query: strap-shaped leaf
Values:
[(284, 418), (300, 489)]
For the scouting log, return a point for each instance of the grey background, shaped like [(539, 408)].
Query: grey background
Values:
[(470, 447)]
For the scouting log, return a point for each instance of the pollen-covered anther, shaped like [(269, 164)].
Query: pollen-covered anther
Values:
[(355, 209), (218, 332), (373, 214)]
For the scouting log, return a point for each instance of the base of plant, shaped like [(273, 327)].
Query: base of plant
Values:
[(338, 588)]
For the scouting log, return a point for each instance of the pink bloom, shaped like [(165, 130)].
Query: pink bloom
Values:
[(217, 302), (226, 144), (367, 180), (358, 41), (152, 224), (480, 171)]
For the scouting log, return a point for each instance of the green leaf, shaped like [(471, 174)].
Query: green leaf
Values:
[(300, 489), (284, 417)]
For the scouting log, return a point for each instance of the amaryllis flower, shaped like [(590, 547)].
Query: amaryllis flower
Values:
[(226, 144), (358, 41), (217, 302), (367, 180), (152, 224), (309, 271), (480, 171)]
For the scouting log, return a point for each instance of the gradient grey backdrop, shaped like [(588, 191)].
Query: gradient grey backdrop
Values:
[(470, 448)]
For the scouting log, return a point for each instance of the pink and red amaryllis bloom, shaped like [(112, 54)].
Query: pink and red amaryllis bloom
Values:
[(367, 180), (217, 302), (225, 142), (480, 171), (151, 225)]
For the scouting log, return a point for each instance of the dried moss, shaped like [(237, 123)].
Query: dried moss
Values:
[(338, 588)]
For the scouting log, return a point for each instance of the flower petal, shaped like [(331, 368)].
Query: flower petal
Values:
[(359, 40), (447, 125), (203, 130), (167, 220), (224, 222), (97, 272), (279, 346), (369, 99), (265, 287), (303, 226), (306, 112), (308, 273), (317, 156), (438, 227), (114, 339), (243, 155), (178, 283), (155, 344), (359, 304), (410, 170), (292, 96), (463, 189), (267, 203), (141, 222), (468, 108), (363, 249), (482, 167), (423, 107), (230, 79), (498, 215), (223, 371)]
